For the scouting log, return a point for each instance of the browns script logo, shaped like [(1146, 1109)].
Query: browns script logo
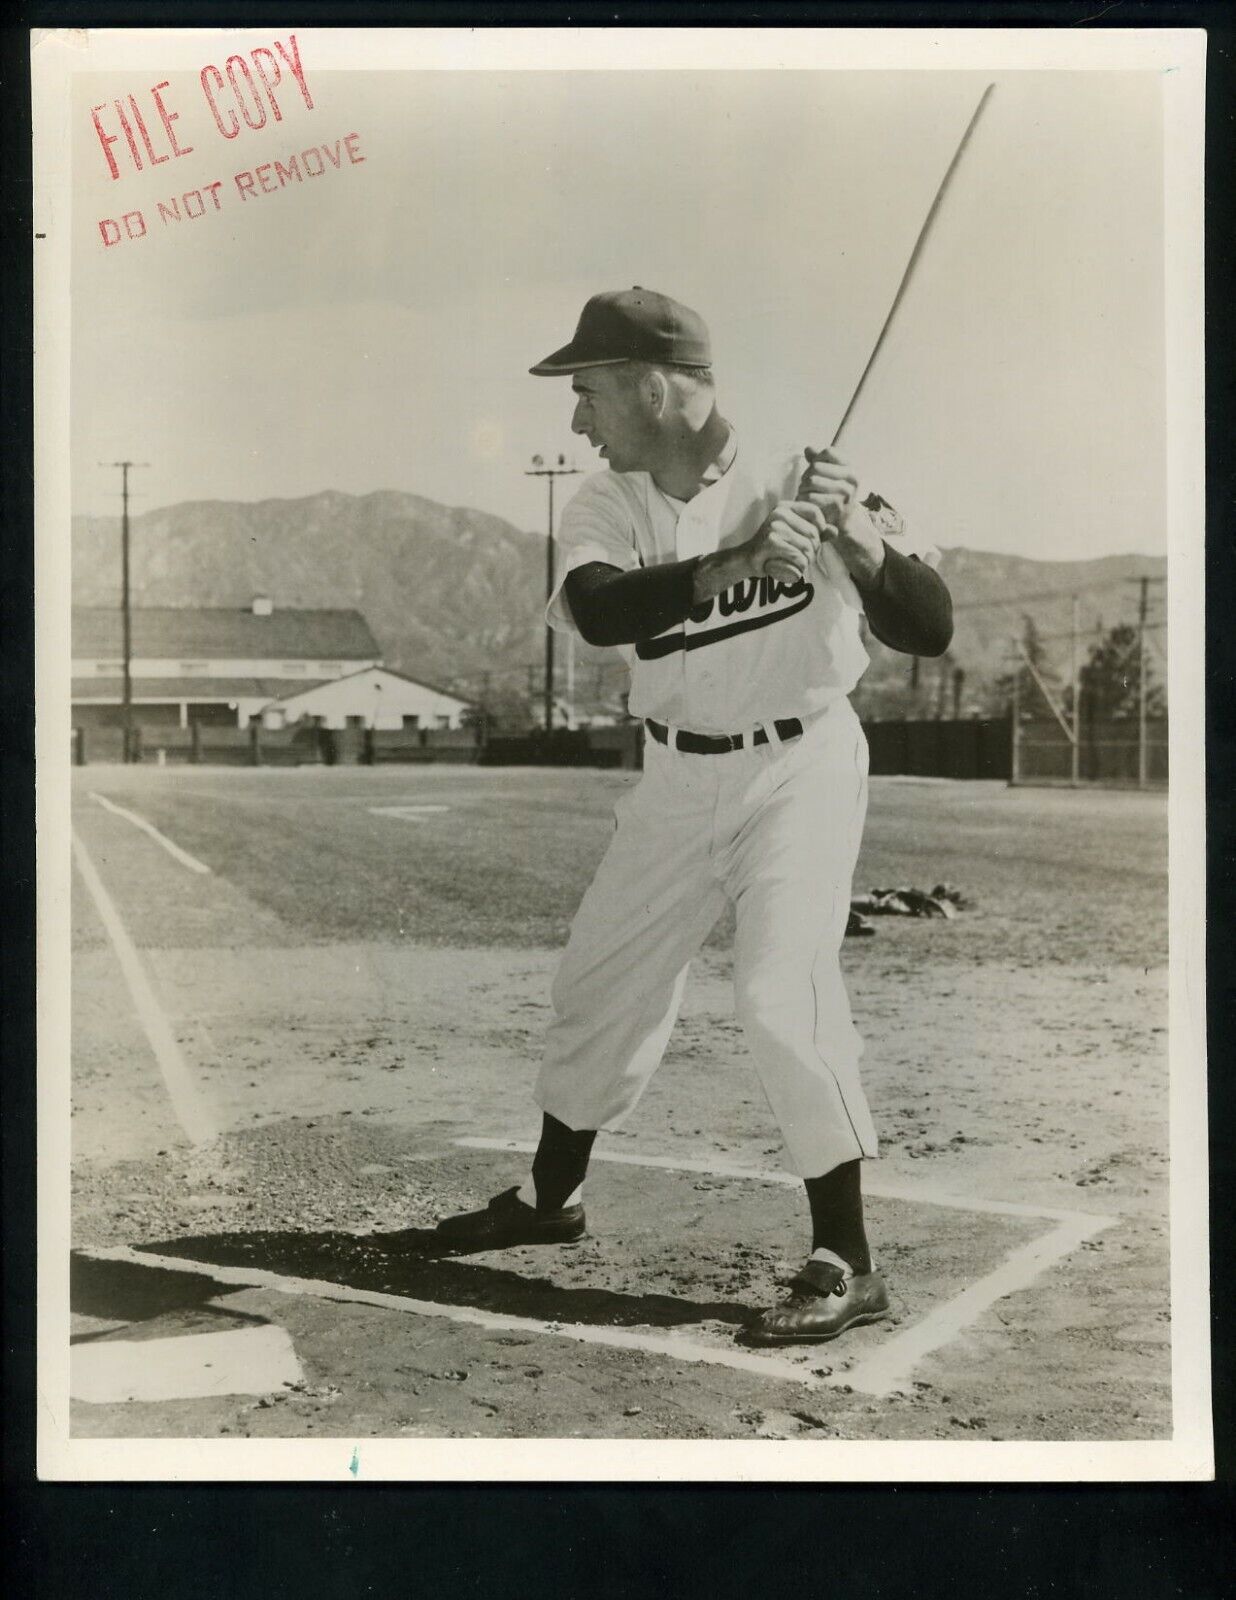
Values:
[(762, 596)]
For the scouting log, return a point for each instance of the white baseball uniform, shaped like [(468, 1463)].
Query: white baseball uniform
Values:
[(772, 827)]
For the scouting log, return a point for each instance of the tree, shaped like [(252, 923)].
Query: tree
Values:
[(1111, 679), (1031, 700)]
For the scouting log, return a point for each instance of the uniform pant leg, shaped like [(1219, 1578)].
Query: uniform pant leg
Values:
[(789, 872), (647, 912)]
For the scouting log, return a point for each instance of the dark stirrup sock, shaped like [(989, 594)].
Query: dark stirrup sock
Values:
[(560, 1162), (836, 1201)]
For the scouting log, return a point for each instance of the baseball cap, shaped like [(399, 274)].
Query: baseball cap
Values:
[(631, 325)]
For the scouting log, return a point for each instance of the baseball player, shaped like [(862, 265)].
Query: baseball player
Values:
[(734, 587)]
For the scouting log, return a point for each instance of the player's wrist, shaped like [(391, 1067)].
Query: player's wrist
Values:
[(863, 558), (722, 569)]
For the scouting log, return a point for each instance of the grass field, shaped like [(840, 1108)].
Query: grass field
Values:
[(352, 992), (1059, 876)]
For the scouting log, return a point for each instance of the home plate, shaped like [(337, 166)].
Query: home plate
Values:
[(191, 1367), (410, 813)]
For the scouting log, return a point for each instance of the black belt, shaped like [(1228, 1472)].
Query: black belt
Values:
[(715, 744)]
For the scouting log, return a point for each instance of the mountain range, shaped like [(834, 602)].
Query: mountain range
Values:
[(455, 596)]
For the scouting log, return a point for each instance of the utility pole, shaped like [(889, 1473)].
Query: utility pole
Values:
[(1076, 680), (125, 616), (1144, 585), (485, 682), (540, 470), (1143, 599), (1015, 755)]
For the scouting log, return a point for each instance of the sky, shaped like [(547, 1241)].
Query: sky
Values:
[(371, 328)]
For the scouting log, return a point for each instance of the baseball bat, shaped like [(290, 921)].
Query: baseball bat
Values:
[(831, 559), (919, 245)]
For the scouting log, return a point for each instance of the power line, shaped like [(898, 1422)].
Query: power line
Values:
[(1097, 630)]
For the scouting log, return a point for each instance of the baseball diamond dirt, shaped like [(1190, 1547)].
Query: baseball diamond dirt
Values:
[(308, 1032)]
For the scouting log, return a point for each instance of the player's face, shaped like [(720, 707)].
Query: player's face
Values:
[(609, 411)]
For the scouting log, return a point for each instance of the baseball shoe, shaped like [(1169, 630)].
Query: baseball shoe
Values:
[(506, 1220), (825, 1299)]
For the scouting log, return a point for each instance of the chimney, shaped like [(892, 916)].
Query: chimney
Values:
[(263, 605)]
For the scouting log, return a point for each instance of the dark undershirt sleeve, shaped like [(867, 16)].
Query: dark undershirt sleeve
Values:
[(908, 606), (615, 607)]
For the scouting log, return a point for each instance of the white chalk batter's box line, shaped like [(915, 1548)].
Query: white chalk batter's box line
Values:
[(921, 1194), (407, 813), (886, 1371), (889, 1368)]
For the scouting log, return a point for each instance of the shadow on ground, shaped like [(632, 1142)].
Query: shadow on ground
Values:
[(128, 1293), (412, 1262)]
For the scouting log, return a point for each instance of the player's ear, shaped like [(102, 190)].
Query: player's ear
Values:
[(656, 391)]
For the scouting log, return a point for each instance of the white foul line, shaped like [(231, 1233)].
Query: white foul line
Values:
[(182, 1091), (921, 1195), (183, 856), (887, 1370), (408, 813), (582, 1333)]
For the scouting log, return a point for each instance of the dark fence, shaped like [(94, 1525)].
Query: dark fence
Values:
[(202, 743), (426, 744), (255, 746), (621, 746), (975, 748)]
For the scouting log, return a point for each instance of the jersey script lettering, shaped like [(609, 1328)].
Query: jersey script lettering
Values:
[(739, 598)]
